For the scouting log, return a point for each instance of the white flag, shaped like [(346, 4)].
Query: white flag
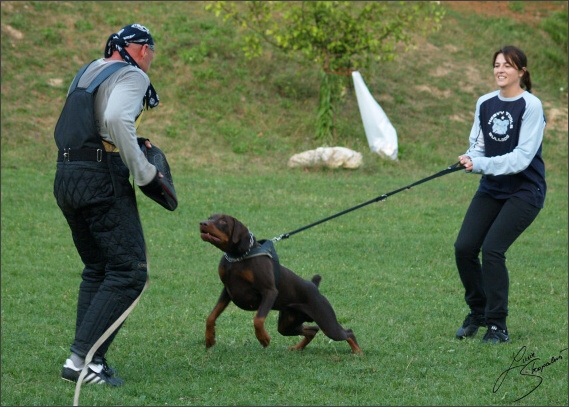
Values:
[(380, 133)]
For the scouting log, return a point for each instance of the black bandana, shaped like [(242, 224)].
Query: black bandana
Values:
[(133, 34)]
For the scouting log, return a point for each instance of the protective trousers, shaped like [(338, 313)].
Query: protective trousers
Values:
[(490, 226), (99, 205)]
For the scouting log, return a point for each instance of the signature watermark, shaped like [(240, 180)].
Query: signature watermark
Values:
[(529, 367)]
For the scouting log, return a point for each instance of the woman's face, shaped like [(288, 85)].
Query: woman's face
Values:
[(507, 76)]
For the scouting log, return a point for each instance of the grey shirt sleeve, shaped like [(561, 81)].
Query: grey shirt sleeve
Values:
[(124, 93)]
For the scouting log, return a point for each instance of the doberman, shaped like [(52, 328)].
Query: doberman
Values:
[(255, 281)]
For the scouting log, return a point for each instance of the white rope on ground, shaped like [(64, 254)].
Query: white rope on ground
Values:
[(104, 337)]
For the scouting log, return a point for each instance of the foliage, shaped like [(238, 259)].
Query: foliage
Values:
[(325, 118), (338, 36)]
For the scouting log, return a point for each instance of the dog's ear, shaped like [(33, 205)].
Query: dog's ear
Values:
[(240, 236)]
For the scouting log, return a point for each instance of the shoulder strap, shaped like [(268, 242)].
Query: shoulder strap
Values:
[(108, 71), (78, 76), (268, 249)]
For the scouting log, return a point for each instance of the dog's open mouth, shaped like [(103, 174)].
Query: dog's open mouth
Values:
[(208, 237)]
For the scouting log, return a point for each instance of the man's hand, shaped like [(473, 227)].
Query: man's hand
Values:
[(147, 144)]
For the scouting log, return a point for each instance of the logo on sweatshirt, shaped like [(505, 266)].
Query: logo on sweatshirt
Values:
[(501, 122)]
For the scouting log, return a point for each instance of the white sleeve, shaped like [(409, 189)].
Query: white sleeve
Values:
[(476, 137)]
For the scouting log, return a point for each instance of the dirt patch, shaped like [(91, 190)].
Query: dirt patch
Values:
[(557, 118), (529, 12), (12, 32)]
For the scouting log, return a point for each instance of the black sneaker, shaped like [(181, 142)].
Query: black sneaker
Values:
[(470, 325), (109, 371), (495, 335), (95, 375)]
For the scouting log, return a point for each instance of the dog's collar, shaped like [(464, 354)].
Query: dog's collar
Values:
[(244, 256)]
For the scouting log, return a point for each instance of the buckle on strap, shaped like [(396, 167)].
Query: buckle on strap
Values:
[(66, 154), (99, 155)]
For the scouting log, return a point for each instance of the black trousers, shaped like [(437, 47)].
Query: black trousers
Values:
[(490, 226), (99, 205)]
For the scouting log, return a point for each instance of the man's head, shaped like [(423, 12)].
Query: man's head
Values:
[(135, 41), (136, 34)]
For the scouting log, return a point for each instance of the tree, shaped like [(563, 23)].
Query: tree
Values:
[(338, 36)]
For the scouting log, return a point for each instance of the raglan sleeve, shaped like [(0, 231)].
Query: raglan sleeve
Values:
[(476, 138)]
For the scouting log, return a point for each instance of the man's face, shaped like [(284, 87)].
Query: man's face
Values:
[(142, 54)]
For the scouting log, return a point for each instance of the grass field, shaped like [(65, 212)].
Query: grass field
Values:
[(228, 126)]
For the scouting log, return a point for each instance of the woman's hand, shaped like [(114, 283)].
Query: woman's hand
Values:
[(466, 162)]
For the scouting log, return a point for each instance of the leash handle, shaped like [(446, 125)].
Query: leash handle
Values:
[(451, 168)]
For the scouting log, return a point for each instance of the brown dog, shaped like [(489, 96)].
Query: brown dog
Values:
[(254, 281)]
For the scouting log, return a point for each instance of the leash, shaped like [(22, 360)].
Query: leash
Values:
[(452, 168)]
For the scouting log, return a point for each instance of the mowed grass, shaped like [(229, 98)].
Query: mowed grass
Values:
[(228, 127), (387, 269)]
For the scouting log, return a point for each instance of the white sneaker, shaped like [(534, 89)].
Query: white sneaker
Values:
[(95, 375)]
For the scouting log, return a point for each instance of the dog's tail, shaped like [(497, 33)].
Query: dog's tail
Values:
[(316, 279)]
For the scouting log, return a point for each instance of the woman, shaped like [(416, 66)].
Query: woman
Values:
[(505, 147)]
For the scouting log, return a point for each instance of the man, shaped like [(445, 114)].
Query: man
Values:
[(93, 191)]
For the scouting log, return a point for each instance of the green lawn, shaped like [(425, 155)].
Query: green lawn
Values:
[(228, 127), (388, 270)]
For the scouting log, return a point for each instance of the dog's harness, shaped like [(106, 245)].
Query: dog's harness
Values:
[(266, 249)]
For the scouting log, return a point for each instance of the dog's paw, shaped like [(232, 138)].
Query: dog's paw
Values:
[(354, 345), (264, 340), (263, 337), (209, 341), (302, 344), (260, 332)]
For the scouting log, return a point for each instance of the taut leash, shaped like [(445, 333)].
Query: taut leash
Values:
[(452, 168)]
